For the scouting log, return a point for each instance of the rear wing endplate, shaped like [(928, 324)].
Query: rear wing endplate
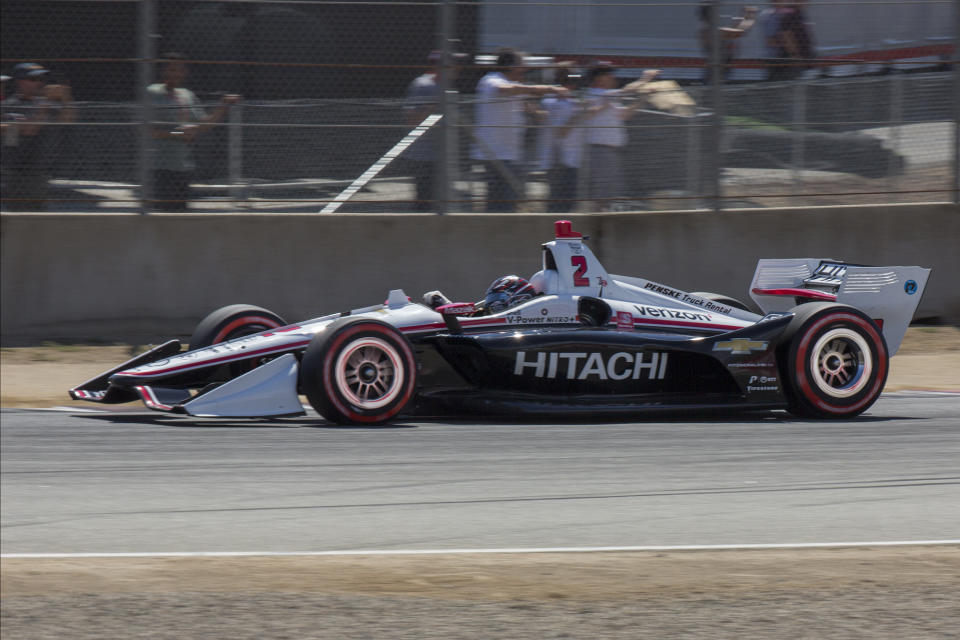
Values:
[(889, 295)]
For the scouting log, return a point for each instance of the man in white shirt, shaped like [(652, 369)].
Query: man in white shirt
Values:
[(606, 134), (499, 124), (179, 119), (560, 142)]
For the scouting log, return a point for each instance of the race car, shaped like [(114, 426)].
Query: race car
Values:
[(578, 341)]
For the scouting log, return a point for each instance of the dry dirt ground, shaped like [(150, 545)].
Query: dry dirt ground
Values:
[(879, 592)]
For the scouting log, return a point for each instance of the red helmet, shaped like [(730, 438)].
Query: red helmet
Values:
[(506, 292)]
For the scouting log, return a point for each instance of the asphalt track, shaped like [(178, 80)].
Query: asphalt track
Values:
[(142, 482)]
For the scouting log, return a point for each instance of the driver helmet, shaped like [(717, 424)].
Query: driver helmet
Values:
[(506, 292)]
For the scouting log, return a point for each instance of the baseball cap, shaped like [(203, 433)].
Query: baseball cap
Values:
[(29, 70)]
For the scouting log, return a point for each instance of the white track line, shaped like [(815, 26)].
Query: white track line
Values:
[(420, 552)]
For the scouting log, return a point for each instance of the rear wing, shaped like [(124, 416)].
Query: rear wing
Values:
[(889, 295)]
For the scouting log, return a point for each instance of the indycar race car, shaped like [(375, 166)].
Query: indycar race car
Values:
[(580, 342)]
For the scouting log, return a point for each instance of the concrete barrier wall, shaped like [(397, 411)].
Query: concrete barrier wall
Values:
[(133, 278)]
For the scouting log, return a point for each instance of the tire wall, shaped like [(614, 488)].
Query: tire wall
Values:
[(141, 279)]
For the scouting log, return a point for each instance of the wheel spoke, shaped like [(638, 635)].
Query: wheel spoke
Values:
[(841, 366), (369, 374)]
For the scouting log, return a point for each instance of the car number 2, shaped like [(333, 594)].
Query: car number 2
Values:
[(580, 262)]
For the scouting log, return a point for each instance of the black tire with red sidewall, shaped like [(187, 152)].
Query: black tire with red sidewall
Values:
[(234, 321), (834, 361), (719, 298), (359, 371)]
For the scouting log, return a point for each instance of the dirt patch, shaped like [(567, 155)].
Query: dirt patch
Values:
[(929, 341), (929, 359), (882, 592)]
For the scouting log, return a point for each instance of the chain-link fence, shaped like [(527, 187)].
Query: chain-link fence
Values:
[(142, 105)]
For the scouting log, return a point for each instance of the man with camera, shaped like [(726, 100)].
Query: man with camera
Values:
[(29, 140)]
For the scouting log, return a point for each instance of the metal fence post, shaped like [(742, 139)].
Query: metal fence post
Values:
[(235, 153), (451, 150), (716, 82), (694, 182), (896, 123), (955, 58), (443, 187), (798, 150), (146, 46), (584, 202)]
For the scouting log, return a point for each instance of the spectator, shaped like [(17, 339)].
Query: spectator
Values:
[(181, 120), (28, 140), (606, 133), (499, 125), (792, 42), (729, 36), (560, 142), (770, 23), (423, 97)]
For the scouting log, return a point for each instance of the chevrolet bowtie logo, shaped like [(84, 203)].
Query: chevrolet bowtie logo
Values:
[(740, 346)]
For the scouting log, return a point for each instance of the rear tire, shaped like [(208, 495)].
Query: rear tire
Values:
[(719, 298), (359, 371), (834, 361)]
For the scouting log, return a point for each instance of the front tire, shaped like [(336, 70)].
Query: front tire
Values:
[(836, 361), (231, 322), (234, 321), (359, 371)]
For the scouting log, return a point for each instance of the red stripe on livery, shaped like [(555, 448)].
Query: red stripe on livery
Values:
[(296, 345), (682, 324), (224, 359), (466, 323), (798, 293), (150, 399)]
